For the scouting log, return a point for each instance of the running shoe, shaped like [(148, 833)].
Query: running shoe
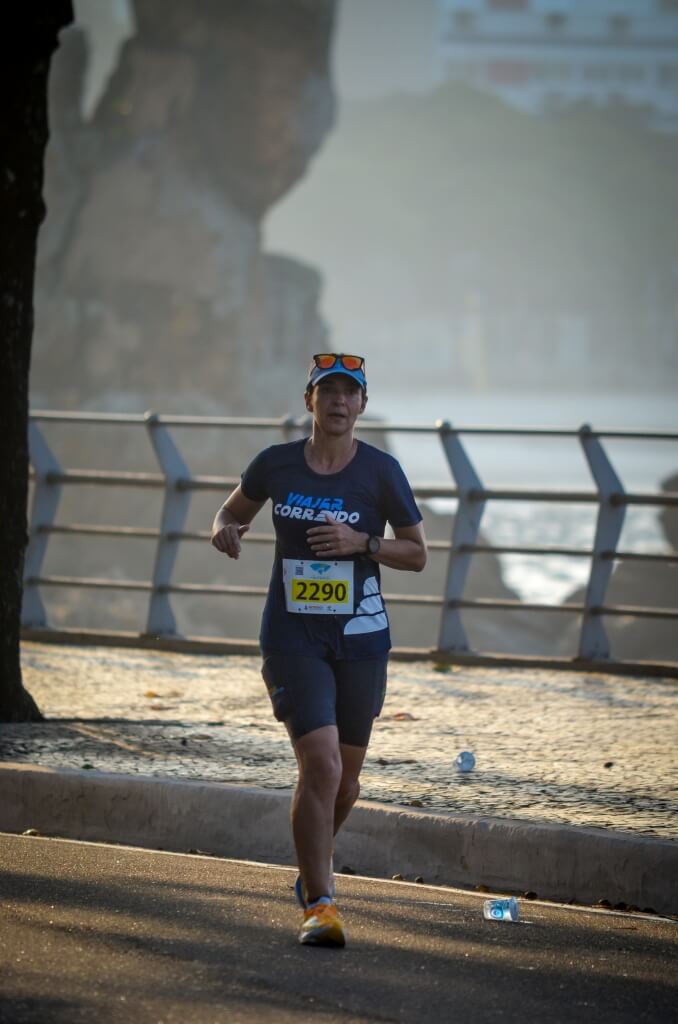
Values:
[(299, 887), (322, 926)]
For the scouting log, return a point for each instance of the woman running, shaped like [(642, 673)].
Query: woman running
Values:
[(325, 634)]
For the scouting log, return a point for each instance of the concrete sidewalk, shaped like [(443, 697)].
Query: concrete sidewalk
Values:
[(551, 747), (557, 862), (112, 934), (181, 752)]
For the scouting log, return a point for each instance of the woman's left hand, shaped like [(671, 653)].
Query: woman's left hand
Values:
[(332, 540)]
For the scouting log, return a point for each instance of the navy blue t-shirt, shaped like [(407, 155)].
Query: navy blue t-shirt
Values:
[(366, 494)]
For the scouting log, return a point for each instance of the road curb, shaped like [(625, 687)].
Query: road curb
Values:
[(558, 862)]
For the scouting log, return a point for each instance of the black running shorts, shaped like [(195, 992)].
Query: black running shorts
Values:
[(310, 692)]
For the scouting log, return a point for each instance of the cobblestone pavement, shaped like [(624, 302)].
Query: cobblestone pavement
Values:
[(565, 747)]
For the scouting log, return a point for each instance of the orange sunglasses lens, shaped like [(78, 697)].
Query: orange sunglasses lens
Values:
[(325, 361), (352, 362)]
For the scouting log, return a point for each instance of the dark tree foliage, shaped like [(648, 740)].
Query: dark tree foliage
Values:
[(29, 37)]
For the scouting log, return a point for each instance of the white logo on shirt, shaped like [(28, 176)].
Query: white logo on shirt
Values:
[(370, 614)]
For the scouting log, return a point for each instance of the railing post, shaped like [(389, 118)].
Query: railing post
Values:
[(593, 640), (46, 495), (177, 500), (294, 428), (467, 518)]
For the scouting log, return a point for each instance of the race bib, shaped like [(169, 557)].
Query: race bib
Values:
[(318, 588)]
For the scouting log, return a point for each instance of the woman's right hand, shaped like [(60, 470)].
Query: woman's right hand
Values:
[(227, 538)]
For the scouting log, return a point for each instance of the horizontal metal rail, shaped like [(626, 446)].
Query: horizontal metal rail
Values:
[(150, 533), (467, 492), (89, 530), (142, 419), (637, 611), (488, 604), (513, 605), (225, 590), (222, 483), (230, 590), (91, 582), (639, 556), (302, 422), (106, 478)]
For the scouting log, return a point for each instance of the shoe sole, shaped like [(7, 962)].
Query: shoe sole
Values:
[(324, 938)]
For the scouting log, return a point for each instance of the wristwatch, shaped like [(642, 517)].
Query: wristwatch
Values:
[(373, 544)]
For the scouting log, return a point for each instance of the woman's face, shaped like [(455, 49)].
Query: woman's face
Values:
[(336, 402)]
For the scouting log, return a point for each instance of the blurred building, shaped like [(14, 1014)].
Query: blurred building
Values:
[(544, 55)]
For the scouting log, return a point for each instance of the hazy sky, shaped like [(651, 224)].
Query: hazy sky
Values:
[(381, 48), (107, 23), (385, 46), (387, 289)]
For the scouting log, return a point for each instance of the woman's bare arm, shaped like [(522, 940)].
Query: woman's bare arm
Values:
[(406, 550), (232, 521)]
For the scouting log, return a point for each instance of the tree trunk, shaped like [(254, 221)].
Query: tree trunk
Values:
[(24, 69)]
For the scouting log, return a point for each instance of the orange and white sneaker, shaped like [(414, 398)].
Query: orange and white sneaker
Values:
[(322, 926)]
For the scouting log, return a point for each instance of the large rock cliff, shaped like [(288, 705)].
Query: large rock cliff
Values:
[(154, 288)]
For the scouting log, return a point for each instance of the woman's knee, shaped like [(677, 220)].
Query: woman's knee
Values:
[(320, 764), (349, 790)]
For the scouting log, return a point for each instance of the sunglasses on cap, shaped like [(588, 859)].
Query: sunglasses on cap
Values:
[(326, 363), (328, 360)]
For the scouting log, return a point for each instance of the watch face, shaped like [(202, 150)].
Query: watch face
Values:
[(373, 545)]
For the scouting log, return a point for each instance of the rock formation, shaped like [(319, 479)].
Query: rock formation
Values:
[(154, 289)]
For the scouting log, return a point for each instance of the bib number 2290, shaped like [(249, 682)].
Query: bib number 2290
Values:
[(321, 588), (335, 591)]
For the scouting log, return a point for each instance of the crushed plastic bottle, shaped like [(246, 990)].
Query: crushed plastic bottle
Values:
[(501, 909), (465, 761)]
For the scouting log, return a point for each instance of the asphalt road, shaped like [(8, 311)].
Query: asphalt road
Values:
[(102, 933)]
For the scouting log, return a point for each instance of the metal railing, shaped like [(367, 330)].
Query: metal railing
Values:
[(178, 485)]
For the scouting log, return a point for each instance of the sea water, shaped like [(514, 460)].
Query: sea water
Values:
[(549, 463)]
